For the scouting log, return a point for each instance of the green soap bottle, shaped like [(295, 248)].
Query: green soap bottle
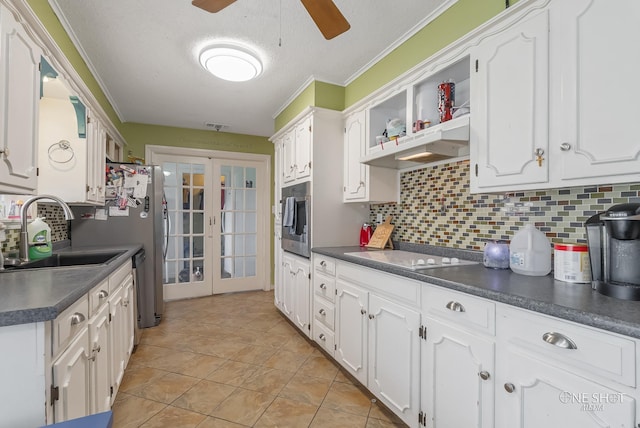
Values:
[(39, 234)]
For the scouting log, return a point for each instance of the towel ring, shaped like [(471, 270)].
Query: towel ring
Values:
[(65, 148)]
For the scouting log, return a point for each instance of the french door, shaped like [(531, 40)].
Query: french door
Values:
[(218, 234)]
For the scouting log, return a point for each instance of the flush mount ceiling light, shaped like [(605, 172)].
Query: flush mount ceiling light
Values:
[(231, 63)]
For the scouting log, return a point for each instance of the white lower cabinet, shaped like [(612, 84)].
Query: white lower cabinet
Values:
[(458, 354), (377, 338), (296, 280), (551, 370), (100, 370), (71, 395)]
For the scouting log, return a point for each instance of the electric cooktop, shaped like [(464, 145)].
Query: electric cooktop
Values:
[(409, 260)]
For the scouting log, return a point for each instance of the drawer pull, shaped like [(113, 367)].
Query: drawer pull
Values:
[(77, 318), (323, 263), (559, 340), (323, 286), (455, 306), (509, 387), (103, 294), (484, 375), (322, 336), (322, 312)]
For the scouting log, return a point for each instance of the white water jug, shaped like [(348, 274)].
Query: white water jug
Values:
[(530, 252)]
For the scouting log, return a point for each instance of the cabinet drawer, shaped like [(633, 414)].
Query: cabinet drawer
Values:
[(69, 323), (324, 286), (462, 309), (324, 312), (324, 337), (98, 297), (579, 349), (324, 264), (117, 277)]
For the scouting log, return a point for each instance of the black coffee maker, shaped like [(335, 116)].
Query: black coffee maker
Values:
[(614, 251)]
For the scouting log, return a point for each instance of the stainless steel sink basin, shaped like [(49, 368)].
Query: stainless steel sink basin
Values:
[(69, 259)]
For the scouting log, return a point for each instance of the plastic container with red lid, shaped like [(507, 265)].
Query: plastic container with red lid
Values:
[(571, 263)]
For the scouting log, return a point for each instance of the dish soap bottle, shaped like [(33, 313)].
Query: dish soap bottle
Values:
[(39, 234), (530, 251)]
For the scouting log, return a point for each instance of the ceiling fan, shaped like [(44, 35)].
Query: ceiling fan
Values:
[(324, 13)]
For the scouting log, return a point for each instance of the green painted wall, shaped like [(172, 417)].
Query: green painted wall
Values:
[(212, 140), (454, 23), (317, 94)]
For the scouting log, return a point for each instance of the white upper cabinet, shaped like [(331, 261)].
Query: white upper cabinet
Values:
[(364, 183), (296, 152), (19, 94), (594, 88), (509, 81), (554, 88)]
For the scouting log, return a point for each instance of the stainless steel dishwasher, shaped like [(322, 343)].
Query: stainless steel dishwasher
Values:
[(138, 278)]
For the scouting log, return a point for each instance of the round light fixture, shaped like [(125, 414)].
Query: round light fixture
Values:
[(231, 63)]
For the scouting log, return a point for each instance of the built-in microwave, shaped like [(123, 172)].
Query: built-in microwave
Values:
[(296, 219)]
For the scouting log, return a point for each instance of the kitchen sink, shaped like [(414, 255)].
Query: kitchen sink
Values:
[(68, 259)]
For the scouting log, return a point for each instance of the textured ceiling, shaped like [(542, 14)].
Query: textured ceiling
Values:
[(144, 53)]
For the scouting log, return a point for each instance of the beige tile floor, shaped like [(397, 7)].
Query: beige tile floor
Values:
[(233, 361)]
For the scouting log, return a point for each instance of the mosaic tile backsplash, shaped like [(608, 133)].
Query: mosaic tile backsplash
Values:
[(54, 217), (436, 208)]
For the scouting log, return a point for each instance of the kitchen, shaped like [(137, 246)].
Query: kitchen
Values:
[(446, 206)]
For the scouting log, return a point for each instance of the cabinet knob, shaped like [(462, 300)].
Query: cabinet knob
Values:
[(322, 336), (509, 387), (323, 286), (323, 263), (565, 147), (484, 375), (77, 318), (559, 340), (362, 311), (125, 302), (5, 152), (322, 312), (455, 306), (371, 316)]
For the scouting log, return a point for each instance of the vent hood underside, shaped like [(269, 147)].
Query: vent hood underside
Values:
[(443, 141)]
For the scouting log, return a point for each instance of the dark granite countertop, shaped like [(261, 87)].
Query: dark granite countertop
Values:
[(569, 301), (35, 295)]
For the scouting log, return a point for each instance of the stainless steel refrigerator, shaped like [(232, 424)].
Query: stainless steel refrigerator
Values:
[(134, 213)]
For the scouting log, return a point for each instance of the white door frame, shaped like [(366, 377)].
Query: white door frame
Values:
[(263, 266)]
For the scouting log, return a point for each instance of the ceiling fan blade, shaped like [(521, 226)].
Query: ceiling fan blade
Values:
[(327, 17), (212, 6)]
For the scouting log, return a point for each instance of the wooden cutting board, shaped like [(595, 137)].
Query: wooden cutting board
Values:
[(382, 236)]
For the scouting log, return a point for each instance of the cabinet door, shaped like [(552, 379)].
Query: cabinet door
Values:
[(394, 357), (351, 329), (19, 98), (288, 156), (303, 149), (455, 364), (288, 285), (530, 393), (595, 56), (129, 318), (96, 147), (278, 286), (117, 340), (71, 378), (277, 160), (509, 95), (99, 367), (355, 173), (302, 304)]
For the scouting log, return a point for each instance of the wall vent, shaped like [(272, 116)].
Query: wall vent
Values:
[(215, 126)]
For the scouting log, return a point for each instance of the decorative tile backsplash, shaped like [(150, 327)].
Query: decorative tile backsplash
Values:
[(436, 208), (54, 217)]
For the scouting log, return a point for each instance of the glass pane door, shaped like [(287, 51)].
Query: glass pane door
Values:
[(185, 268), (241, 225)]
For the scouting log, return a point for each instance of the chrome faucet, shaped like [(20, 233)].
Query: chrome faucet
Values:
[(23, 253)]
